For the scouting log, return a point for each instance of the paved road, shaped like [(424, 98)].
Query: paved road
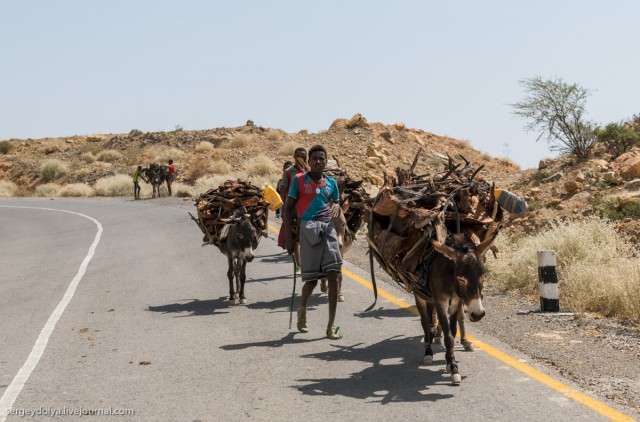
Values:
[(151, 294)]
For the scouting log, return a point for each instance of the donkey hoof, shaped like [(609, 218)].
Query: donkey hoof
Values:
[(243, 301), (427, 359), (323, 286), (456, 379), (468, 347), (232, 302), (340, 298)]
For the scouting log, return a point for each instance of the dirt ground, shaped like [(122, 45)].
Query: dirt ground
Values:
[(600, 355)]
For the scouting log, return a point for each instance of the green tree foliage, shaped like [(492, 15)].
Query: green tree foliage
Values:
[(618, 137), (555, 109)]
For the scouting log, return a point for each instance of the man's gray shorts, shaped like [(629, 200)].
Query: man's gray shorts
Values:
[(319, 250)]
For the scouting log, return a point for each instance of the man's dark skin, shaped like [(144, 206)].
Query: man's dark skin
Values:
[(317, 163)]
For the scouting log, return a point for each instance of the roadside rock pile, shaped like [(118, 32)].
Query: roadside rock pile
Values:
[(216, 208), (411, 210)]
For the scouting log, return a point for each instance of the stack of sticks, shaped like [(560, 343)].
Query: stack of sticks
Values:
[(411, 210), (216, 208)]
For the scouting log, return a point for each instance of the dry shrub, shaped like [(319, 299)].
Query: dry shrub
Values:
[(598, 271), (53, 145), (219, 167), (109, 156), (462, 144), (168, 154), (240, 140), (88, 157), (507, 162), (5, 147), (7, 188), (181, 190), (82, 173), (204, 146), (52, 169), (274, 134), (76, 189), (118, 185), (486, 156), (288, 148), (48, 190), (261, 166), (95, 139)]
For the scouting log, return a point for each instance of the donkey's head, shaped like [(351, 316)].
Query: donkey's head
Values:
[(242, 238), (468, 261)]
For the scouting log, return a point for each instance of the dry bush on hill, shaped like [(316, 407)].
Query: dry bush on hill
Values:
[(598, 271), (52, 145), (240, 140), (204, 146), (274, 134), (5, 147), (109, 156), (53, 169), (219, 167), (88, 157), (48, 190), (76, 190), (118, 185), (288, 148), (182, 191), (168, 154), (7, 188), (261, 165)]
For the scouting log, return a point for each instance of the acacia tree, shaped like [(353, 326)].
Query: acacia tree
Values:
[(555, 109)]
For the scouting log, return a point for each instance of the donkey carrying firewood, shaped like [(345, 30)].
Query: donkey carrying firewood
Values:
[(238, 239)]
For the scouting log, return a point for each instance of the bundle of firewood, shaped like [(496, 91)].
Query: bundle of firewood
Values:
[(411, 210), (216, 207), (354, 199)]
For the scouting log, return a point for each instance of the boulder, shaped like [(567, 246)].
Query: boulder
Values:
[(554, 177), (399, 126), (572, 185), (544, 163), (629, 198), (630, 169)]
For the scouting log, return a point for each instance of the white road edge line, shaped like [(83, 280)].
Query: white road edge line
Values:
[(13, 391)]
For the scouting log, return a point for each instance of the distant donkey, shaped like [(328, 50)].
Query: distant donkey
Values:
[(238, 239), (156, 174)]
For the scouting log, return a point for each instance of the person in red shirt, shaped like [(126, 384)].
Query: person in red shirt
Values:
[(299, 167), (171, 175)]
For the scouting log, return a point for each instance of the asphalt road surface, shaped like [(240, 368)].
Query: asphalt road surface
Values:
[(113, 308)]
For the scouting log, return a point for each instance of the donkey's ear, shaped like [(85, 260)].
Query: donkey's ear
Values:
[(445, 250), (482, 248)]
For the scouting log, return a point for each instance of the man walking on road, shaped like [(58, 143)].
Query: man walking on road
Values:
[(316, 199)]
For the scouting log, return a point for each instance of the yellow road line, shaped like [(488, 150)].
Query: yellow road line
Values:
[(537, 375)]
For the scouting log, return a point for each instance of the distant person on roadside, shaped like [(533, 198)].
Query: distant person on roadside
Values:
[(136, 185), (285, 166), (299, 167), (171, 175), (315, 199)]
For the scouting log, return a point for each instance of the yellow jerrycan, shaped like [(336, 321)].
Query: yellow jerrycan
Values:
[(270, 194)]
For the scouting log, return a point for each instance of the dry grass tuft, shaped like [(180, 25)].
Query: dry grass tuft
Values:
[(274, 134), (88, 157), (53, 169), (288, 148), (109, 156), (168, 154), (77, 190), (48, 190), (240, 140), (7, 188), (598, 271), (261, 165), (118, 185), (219, 167), (204, 146), (181, 190)]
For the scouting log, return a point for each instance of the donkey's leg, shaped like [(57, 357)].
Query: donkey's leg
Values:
[(323, 285), (466, 343), (231, 276), (243, 278), (443, 318), (425, 321)]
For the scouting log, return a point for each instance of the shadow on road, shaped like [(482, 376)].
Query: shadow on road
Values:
[(291, 338), (382, 313), (395, 374), (194, 307)]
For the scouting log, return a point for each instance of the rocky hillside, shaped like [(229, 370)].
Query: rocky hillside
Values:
[(558, 188)]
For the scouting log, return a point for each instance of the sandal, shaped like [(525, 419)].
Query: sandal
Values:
[(333, 334), (302, 323)]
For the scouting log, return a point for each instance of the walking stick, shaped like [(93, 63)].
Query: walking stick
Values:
[(293, 294)]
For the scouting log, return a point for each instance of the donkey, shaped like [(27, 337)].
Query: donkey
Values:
[(455, 281), (238, 239), (156, 174)]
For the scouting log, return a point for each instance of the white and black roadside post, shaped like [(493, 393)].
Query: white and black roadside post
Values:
[(548, 281)]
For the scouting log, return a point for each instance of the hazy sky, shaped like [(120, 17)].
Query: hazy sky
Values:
[(451, 68)]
